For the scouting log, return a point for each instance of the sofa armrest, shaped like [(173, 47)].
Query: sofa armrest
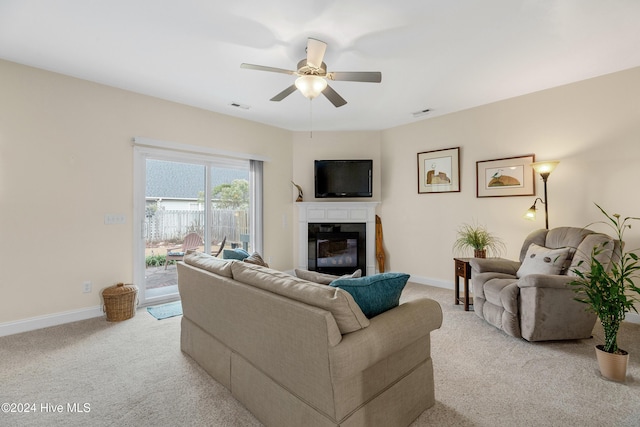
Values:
[(556, 281), (388, 333), (494, 265)]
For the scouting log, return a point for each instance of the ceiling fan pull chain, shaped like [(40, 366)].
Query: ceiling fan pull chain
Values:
[(310, 119)]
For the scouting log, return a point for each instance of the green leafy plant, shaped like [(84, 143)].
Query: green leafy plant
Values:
[(233, 195), (155, 260), (610, 291), (478, 238)]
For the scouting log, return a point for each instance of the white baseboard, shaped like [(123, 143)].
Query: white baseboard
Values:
[(630, 317), (39, 322), (431, 282)]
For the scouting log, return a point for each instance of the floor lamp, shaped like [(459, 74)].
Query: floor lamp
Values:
[(544, 169)]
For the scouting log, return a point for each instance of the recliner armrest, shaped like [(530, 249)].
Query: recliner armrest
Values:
[(557, 281), (494, 265)]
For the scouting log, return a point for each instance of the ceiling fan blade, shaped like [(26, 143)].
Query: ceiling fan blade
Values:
[(315, 52), (282, 95), (333, 96), (263, 68), (356, 76)]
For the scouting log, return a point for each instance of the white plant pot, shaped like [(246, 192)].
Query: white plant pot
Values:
[(612, 366)]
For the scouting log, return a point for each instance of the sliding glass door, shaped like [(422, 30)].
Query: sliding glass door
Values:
[(187, 202)]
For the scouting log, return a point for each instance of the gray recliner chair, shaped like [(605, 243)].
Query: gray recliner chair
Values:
[(532, 298)]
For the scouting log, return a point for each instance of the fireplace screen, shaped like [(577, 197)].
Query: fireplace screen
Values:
[(337, 250)]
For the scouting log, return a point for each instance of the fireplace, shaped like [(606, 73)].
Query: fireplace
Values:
[(336, 248), (324, 217)]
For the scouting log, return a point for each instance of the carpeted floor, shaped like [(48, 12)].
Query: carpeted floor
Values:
[(133, 373)]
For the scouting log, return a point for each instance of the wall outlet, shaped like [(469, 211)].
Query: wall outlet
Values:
[(110, 219), (86, 287)]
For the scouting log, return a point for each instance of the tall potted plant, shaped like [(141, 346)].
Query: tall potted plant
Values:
[(610, 292), (477, 237)]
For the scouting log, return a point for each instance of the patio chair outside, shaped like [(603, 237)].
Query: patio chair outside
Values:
[(219, 251), (191, 241)]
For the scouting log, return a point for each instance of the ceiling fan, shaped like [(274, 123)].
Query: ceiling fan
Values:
[(312, 75)]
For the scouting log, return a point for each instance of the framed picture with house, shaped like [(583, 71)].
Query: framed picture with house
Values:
[(439, 171)]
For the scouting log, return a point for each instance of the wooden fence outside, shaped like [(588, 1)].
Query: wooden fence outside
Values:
[(173, 225)]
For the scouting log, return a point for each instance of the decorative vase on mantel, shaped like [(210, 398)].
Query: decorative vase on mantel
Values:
[(479, 253), (613, 366), (300, 194)]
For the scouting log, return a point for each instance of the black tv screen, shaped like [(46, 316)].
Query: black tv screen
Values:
[(343, 178)]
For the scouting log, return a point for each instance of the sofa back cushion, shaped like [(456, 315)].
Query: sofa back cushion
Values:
[(559, 237), (582, 259), (538, 237), (323, 278), (209, 263), (347, 314), (580, 242), (562, 237)]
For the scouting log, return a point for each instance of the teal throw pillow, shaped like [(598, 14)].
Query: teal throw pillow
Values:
[(374, 294), (237, 253)]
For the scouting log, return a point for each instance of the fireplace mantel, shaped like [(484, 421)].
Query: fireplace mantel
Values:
[(337, 212)]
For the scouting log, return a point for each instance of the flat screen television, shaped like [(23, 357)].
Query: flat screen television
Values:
[(343, 178)]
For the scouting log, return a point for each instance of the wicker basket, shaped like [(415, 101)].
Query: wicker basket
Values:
[(120, 302)]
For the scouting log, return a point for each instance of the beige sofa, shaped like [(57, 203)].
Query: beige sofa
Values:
[(298, 353)]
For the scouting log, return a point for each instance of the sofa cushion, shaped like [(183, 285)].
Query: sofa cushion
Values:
[(323, 278), (346, 312), (208, 262), (237, 253), (374, 294), (256, 258), (541, 260)]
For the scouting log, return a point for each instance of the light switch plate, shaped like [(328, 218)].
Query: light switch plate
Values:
[(110, 219)]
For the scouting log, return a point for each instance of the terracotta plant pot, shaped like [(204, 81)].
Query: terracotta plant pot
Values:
[(612, 366), (480, 253)]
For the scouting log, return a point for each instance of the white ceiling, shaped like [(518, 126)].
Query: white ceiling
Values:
[(443, 55)]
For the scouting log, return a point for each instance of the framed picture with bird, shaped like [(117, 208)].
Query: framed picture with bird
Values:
[(511, 176)]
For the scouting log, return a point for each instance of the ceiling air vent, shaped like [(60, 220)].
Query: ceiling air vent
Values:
[(421, 113), (238, 105)]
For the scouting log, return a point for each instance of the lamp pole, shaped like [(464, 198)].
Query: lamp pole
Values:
[(544, 169), (544, 176)]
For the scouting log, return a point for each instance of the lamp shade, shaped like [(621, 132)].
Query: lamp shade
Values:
[(530, 214), (311, 86), (545, 167)]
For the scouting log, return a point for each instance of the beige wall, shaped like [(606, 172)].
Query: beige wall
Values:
[(308, 147), (334, 146), (66, 160), (592, 127)]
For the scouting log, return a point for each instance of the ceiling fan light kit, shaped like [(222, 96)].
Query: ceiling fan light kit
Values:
[(311, 86), (312, 75)]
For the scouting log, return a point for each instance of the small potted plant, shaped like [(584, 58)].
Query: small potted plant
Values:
[(610, 292), (477, 237)]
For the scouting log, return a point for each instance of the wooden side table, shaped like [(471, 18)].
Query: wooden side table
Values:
[(462, 269)]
